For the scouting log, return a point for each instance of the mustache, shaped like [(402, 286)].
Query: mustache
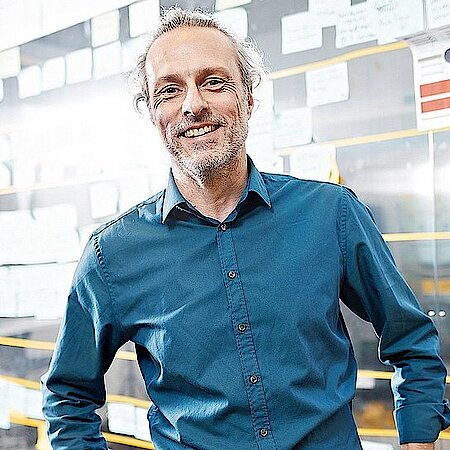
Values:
[(187, 122)]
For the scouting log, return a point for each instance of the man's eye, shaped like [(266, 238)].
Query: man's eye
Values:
[(214, 82), (168, 90)]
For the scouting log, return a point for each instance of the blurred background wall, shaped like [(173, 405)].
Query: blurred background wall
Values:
[(339, 104)]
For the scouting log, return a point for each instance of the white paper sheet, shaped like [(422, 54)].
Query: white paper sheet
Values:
[(142, 425), (144, 17), (53, 73), (130, 52), (17, 398), (438, 13), (107, 60), (313, 162), (104, 199), (398, 18), (4, 405), (299, 32), (121, 418), (328, 11), (327, 85), (356, 25), (30, 81), (431, 78), (79, 66), (225, 4), (105, 28), (293, 127), (234, 20), (34, 404)]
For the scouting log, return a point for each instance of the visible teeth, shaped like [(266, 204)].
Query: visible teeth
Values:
[(198, 131)]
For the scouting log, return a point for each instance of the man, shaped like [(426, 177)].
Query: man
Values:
[(228, 282)]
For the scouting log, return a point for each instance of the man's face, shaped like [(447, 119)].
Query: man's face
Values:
[(197, 99)]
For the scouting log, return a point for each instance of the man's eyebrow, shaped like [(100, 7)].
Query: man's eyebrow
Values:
[(201, 72)]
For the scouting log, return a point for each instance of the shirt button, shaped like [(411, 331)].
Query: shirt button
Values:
[(231, 274), (223, 226), (242, 327), (253, 379), (263, 432)]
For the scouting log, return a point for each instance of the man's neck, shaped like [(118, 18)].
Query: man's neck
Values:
[(219, 194)]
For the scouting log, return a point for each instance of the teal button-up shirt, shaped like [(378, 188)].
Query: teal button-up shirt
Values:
[(237, 325)]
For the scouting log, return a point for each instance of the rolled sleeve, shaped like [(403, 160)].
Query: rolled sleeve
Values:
[(408, 341), (88, 339)]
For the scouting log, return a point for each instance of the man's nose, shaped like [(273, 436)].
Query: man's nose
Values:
[(194, 103)]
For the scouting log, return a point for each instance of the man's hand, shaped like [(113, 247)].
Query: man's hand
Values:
[(429, 446)]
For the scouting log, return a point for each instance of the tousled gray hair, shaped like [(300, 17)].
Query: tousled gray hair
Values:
[(249, 56)]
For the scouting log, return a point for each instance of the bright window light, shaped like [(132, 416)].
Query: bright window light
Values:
[(79, 66), (10, 63), (107, 60), (105, 28), (143, 17), (53, 74), (30, 80)]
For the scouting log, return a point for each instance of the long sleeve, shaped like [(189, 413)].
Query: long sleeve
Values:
[(88, 339), (374, 289)]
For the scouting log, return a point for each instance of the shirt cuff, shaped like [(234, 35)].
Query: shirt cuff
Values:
[(421, 423)]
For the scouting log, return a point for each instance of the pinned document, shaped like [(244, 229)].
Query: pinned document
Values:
[(299, 32)]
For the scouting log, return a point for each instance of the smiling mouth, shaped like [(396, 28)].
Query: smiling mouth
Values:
[(201, 131)]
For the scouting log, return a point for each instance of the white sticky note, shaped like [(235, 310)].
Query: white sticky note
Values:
[(107, 60), (34, 404), (143, 17), (17, 398), (313, 162), (142, 425), (235, 20), (79, 66), (225, 4), (299, 32), (30, 80), (328, 11), (438, 13), (53, 73), (327, 85), (398, 18), (121, 418), (4, 405), (356, 25), (131, 50), (105, 28), (10, 62), (293, 127)]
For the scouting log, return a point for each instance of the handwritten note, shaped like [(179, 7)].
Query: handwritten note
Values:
[(328, 11), (299, 32), (327, 85), (438, 13), (234, 20), (293, 127), (313, 162), (105, 28), (398, 18), (356, 25)]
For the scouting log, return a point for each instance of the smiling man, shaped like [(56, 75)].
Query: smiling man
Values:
[(228, 283)]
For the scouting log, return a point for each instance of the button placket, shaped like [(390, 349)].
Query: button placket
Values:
[(254, 384)]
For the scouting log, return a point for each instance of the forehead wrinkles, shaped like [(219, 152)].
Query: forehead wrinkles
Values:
[(186, 49)]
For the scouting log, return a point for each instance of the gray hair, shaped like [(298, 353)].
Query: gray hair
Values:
[(249, 56)]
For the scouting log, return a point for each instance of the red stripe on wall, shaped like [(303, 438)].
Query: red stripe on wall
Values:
[(435, 105), (439, 87)]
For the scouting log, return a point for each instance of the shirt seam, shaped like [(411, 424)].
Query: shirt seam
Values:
[(108, 282), (343, 233)]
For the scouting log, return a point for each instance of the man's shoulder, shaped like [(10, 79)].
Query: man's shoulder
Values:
[(122, 224), (278, 181)]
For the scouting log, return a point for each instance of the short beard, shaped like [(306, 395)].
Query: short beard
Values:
[(217, 164)]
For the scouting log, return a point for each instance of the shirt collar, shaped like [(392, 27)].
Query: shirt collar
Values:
[(255, 183)]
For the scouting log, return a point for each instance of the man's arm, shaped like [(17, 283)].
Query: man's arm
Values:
[(374, 289), (88, 339)]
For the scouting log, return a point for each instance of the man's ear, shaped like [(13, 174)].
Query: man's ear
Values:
[(250, 104)]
